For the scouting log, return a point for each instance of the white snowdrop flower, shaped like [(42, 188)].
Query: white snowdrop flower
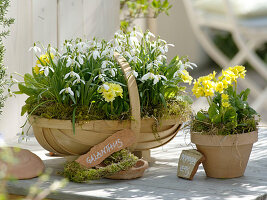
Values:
[(52, 50), (105, 52), (136, 33), (190, 65), (132, 58), (166, 49), (82, 46), (22, 137), (147, 76), (67, 90), (135, 59), (101, 77), (135, 73), (69, 62), (113, 72), (95, 54), (133, 41), (157, 78), (80, 58), (132, 72), (35, 49), (97, 44), (45, 69), (149, 66), (163, 41), (111, 52), (78, 80), (176, 73), (72, 74), (157, 63), (161, 57), (148, 35), (134, 51), (162, 50), (105, 63)]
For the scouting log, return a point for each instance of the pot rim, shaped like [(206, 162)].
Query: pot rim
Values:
[(225, 140), (67, 124)]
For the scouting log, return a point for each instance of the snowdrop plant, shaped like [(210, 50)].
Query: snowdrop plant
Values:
[(82, 80)]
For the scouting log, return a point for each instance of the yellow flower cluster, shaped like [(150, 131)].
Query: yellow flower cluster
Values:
[(225, 100), (186, 77), (206, 85), (110, 91), (36, 70), (43, 60)]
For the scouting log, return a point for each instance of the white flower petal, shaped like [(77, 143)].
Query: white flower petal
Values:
[(67, 75), (62, 91), (46, 71)]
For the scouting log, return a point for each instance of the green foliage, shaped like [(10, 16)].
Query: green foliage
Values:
[(140, 8), (118, 161), (75, 83), (229, 112), (238, 118), (4, 22)]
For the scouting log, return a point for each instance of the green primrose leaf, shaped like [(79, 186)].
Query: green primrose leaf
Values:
[(217, 118), (200, 116), (24, 109), (213, 110), (230, 115)]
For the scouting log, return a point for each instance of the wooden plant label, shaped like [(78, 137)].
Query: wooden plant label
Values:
[(188, 163), (119, 140)]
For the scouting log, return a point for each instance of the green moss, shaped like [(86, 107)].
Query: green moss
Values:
[(54, 110), (207, 127), (118, 161)]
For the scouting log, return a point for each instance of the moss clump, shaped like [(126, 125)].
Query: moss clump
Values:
[(118, 161), (245, 125), (53, 110)]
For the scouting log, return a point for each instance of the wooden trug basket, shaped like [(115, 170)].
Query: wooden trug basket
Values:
[(57, 135)]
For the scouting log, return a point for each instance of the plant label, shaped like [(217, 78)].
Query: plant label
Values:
[(119, 140), (188, 163)]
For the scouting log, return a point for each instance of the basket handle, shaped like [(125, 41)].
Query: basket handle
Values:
[(133, 95)]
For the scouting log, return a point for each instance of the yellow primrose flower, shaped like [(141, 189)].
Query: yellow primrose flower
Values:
[(117, 89), (239, 71), (186, 77), (208, 84), (204, 78), (225, 83), (219, 87), (225, 104), (225, 97), (198, 92), (212, 76), (109, 96), (36, 70), (209, 92), (229, 75), (45, 59)]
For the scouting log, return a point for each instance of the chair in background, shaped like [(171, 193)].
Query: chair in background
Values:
[(246, 20)]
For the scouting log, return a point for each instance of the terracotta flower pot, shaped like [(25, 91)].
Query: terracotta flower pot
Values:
[(226, 156), (134, 172)]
